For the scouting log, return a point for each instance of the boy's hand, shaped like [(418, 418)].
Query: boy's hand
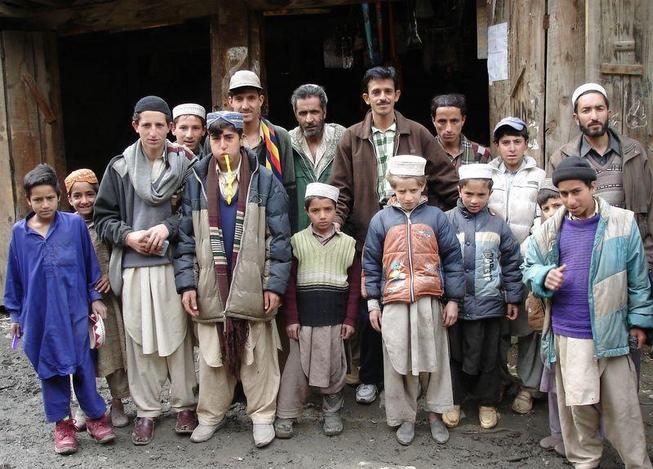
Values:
[(512, 311), (375, 319), (99, 308), (293, 331), (271, 301), (103, 286), (554, 278), (14, 330), (156, 236), (641, 336), (137, 240), (346, 331), (189, 302), (450, 314)]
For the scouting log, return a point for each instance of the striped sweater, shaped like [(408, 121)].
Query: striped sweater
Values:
[(324, 285)]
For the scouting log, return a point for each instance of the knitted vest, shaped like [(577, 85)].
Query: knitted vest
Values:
[(322, 287)]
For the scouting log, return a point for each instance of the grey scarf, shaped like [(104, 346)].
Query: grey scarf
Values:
[(164, 187)]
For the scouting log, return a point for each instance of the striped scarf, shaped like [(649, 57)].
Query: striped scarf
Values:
[(235, 330), (272, 158)]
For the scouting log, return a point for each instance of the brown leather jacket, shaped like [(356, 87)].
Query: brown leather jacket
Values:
[(354, 172), (638, 183)]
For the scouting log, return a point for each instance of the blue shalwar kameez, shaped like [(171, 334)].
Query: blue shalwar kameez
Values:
[(50, 285)]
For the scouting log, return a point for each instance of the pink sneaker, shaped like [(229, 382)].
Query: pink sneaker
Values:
[(100, 430), (65, 437)]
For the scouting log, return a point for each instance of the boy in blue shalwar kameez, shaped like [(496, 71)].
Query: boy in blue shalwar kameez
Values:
[(50, 290)]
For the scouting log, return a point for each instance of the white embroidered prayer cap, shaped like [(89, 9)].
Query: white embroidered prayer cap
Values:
[(189, 109), (475, 171), (319, 189), (406, 165), (582, 89)]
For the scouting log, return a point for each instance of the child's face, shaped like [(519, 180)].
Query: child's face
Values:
[(550, 206), (512, 149), (322, 212), (227, 143), (408, 192), (475, 194), (44, 201), (82, 198), (189, 130), (577, 197)]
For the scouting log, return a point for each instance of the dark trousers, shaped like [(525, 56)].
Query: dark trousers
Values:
[(474, 351), (371, 352), (56, 393)]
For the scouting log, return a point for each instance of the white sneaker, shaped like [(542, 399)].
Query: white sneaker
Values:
[(366, 393)]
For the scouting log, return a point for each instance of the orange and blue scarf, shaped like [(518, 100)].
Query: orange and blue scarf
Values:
[(272, 157)]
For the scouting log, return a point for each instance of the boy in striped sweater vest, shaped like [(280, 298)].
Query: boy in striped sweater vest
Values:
[(321, 304)]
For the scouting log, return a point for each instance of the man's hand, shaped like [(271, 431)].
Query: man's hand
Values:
[(14, 330), (137, 240), (512, 311), (293, 331), (375, 319), (555, 277), (450, 314), (271, 301), (156, 236), (346, 331), (103, 286), (641, 336), (189, 302), (99, 308)]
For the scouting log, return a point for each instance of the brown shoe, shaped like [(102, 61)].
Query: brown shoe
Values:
[(186, 422), (143, 431)]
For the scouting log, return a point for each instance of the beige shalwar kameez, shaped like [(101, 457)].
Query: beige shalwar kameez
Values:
[(317, 361), (590, 389), (415, 350), (259, 374)]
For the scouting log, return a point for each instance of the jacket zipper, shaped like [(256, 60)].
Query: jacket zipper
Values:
[(410, 257)]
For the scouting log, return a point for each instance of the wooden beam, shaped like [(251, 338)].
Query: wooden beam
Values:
[(298, 11), (121, 15), (622, 69), (8, 205), (295, 4)]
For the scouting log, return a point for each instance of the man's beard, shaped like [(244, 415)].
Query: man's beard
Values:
[(315, 132), (594, 132)]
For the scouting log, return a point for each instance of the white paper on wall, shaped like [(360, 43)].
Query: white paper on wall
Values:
[(497, 52)]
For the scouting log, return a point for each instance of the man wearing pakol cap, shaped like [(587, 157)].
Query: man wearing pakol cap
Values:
[(189, 127), (359, 171), (315, 143), (134, 214), (493, 290), (517, 180), (232, 263), (624, 173), (448, 114), (588, 263), (321, 308), (413, 282), (270, 143)]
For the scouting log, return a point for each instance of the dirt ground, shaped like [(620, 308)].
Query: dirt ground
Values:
[(367, 442)]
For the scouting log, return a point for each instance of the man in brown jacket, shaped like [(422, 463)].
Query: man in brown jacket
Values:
[(359, 173), (624, 174)]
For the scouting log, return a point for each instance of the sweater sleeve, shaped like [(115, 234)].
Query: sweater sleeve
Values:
[(290, 299), (510, 261), (354, 280)]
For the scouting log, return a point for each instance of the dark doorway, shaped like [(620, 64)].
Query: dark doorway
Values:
[(104, 74), (444, 60)]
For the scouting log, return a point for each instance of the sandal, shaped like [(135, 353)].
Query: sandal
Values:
[(143, 431)]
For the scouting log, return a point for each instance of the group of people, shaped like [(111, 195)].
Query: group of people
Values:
[(389, 258)]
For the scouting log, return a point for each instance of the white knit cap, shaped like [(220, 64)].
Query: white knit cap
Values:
[(582, 89), (318, 189), (475, 171), (189, 109), (406, 165)]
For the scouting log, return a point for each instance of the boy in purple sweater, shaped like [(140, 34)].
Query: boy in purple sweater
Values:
[(587, 261)]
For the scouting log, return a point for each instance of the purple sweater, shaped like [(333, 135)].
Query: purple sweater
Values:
[(570, 308)]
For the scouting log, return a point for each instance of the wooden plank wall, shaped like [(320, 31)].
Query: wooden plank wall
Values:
[(499, 91), (565, 69)]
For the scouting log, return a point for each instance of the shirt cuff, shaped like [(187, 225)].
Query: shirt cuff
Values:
[(373, 304)]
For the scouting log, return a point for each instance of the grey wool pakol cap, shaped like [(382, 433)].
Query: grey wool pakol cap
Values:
[(572, 168)]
